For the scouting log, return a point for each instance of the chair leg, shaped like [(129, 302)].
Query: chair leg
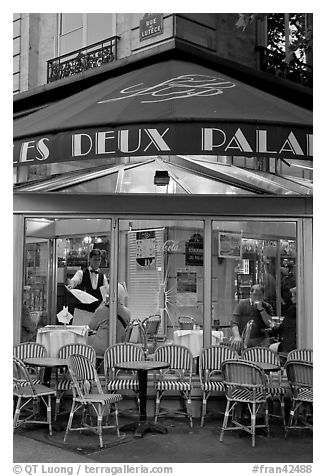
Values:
[(17, 412), (292, 412), (283, 412), (189, 410), (157, 405), (71, 416), (99, 423), (57, 404), (203, 409), (253, 424), (225, 419), (115, 408), (48, 414)]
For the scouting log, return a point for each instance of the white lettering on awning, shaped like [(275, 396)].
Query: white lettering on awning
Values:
[(157, 140), (293, 144), (241, 142)]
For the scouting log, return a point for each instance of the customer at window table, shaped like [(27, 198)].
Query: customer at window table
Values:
[(287, 330), (256, 309), (100, 323), (90, 281), (29, 326)]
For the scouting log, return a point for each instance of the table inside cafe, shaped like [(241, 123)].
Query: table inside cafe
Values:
[(193, 339), (55, 336)]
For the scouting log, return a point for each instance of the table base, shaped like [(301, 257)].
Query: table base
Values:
[(141, 428)]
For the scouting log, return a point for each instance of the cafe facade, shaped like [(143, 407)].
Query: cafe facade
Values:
[(180, 183)]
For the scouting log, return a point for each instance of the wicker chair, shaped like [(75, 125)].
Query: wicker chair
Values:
[(244, 383), (300, 377), (176, 378), (187, 322), (306, 355), (276, 388), (151, 326), (27, 350), (85, 380), (116, 379), (25, 391), (63, 381), (210, 374)]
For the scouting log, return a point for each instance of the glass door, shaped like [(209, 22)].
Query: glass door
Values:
[(161, 264), (54, 250)]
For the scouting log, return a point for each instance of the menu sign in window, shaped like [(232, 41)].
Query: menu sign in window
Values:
[(151, 25), (229, 245), (145, 248), (195, 250)]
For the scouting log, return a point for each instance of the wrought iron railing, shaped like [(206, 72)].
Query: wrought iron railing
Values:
[(90, 57), (274, 62)]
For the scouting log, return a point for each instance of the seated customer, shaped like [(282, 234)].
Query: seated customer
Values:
[(100, 323), (256, 309), (287, 330), (29, 326)]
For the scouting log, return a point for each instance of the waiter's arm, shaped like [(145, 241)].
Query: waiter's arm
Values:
[(76, 279)]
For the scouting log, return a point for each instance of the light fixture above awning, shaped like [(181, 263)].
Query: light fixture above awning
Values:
[(168, 108)]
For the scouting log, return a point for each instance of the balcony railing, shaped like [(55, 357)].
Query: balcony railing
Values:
[(274, 62), (90, 57)]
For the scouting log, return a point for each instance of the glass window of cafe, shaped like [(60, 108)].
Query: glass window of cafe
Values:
[(161, 264), (251, 252)]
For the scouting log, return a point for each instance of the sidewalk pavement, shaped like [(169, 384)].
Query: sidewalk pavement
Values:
[(180, 445)]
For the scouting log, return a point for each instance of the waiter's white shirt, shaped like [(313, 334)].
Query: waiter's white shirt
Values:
[(78, 277)]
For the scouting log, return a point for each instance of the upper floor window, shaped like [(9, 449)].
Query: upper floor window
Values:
[(76, 30), (288, 47)]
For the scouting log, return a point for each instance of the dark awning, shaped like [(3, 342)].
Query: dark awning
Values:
[(172, 107)]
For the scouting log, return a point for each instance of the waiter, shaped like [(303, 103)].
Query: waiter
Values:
[(90, 281)]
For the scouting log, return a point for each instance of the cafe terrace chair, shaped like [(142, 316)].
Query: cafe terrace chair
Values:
[(63, 381), (276, 386), (245, 383), (135, 333), (88, 394), (176, 378), (306, 355), (187, 322), (27, 350), (26, 392), (300, 377), (210, 374), (117, 379)]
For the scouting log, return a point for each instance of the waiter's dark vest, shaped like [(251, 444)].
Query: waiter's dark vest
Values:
[(86, 285)]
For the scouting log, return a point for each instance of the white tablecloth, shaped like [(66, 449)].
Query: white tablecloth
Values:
[(54, 337), (193, 339)]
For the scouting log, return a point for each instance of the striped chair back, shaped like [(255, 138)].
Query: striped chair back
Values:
[(211, 358), (306, 355), (261, 354), (242, 373), (300, 375), (29, 350), (21, 378), (84, 376), (82, 349), (178, 356), (123, 352)]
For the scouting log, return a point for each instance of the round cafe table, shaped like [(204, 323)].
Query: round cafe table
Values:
[(267, 368), (142, 367), (48, 363)]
